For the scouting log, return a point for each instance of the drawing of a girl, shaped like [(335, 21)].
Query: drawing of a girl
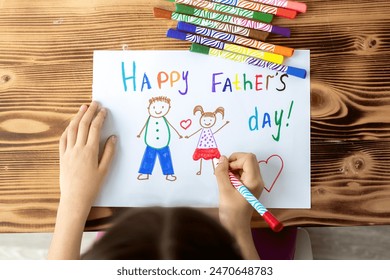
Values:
[(207, 147)]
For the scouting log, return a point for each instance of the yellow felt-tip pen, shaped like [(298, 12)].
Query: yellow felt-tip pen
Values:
[(270, 57)]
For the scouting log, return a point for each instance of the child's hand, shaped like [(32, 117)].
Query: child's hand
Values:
[(81, 170), (234, 211), (81, 175)]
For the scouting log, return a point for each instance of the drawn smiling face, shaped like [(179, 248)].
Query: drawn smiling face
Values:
[(207, 121), (158, 109)]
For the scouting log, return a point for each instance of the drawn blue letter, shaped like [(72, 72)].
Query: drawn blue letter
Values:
[(254, 118), (124, 78), (145, 80)]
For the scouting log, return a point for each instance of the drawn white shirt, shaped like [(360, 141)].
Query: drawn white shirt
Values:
[(157, 134)]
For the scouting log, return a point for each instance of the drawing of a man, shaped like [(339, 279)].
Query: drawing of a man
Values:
[(157, 138)]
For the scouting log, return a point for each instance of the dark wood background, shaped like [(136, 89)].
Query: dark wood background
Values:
[(46, 52)]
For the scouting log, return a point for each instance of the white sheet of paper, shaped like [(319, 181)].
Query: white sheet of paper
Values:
[(264, 112)]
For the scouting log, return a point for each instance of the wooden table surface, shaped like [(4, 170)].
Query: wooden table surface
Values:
[(46, 52)]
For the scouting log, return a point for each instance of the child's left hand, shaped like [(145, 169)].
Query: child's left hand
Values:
[(81, 170)]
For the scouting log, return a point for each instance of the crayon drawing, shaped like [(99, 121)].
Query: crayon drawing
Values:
[(207, 146), (157, 137), (176, 112)]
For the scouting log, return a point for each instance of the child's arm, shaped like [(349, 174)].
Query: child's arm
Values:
[(81, 175), (221, 127), (193, 133), (235, 212)]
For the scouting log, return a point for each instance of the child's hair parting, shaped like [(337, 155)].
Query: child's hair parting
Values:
[(166, 234)]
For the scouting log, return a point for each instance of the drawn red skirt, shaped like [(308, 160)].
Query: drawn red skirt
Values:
[(209, 153)]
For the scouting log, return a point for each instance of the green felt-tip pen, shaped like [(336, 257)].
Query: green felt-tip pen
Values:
[(254, 15), (236, 20)]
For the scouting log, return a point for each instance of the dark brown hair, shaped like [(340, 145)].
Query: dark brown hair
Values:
[(165, 233)]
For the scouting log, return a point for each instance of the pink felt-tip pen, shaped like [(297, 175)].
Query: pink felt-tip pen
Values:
[(270, 219), (292, 5)]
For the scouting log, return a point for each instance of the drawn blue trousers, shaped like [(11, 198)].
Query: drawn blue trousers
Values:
[(149, 160)]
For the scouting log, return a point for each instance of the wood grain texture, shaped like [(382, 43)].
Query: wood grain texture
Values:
[(46, 74)]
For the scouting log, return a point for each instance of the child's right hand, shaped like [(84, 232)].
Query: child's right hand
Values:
[(235, 212)]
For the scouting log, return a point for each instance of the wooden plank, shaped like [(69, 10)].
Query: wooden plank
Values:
[(46, 74)]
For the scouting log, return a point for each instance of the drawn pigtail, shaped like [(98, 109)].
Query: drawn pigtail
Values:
[(198, 108), (220, 110)]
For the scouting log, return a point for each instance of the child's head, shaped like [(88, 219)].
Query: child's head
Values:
[(208, 119), (159, 106), (165, 233)]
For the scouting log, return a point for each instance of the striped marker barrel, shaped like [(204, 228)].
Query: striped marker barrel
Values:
[(274, 224)]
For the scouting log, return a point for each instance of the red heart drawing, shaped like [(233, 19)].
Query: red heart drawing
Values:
[(270, 170), (185, 124)]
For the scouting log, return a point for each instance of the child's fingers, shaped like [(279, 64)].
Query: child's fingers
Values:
[(243, 161), (222, 175), (108, 154), (73, 127), (62, 145), (248, 164), (95, 128), (85, 123)]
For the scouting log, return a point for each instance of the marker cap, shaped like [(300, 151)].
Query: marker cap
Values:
[(186, 27), (273, 57), (274, 224), (297, 72), (285, 51), (296, 6), (172, 33), (161, 13), (262, 17), (199, 48), (286, 13), (184, 9), (284, 31)]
